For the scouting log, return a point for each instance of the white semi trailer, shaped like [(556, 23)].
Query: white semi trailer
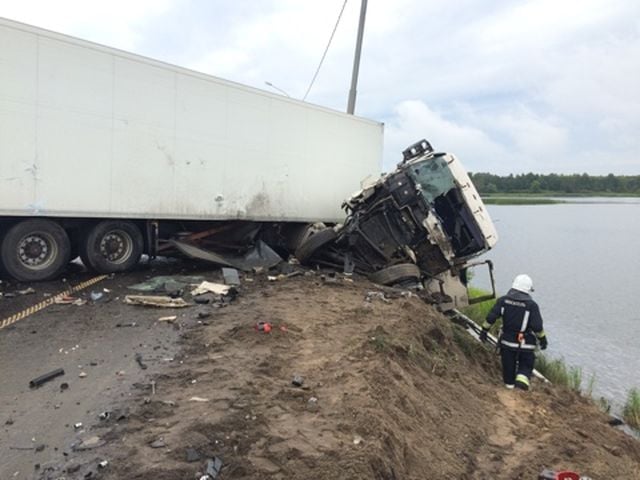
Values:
[(108, 155)]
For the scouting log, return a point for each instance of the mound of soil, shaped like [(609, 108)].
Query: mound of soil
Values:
[(391, 389)]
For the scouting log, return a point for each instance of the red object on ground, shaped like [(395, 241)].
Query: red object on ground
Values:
[(567, 476), (263, 327)]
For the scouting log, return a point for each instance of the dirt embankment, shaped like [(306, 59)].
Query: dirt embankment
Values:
[(392, 390)]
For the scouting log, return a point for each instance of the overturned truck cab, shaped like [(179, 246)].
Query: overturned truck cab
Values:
[(424, 222)]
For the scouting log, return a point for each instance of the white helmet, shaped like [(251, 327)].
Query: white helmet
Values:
[(523, 283)]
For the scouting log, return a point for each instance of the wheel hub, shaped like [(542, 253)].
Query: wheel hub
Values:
[(115, 246), (35, 250)]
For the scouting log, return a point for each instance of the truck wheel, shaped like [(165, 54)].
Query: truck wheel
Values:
[(112, 246), (396, 274), (315, 242), (35, 250)]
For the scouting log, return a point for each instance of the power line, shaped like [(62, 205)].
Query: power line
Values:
[(325, 50)]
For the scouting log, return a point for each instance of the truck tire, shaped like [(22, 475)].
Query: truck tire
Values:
[(35, 250), (314, 243), (396, 274), (112, 246)]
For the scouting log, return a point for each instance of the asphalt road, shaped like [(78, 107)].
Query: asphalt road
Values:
[(97, 351)]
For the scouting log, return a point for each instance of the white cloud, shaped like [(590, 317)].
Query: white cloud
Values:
[(113, 23), (536, 25), (414, 120), (512, 86)]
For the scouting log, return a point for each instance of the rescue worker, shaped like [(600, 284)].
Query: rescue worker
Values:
[(521, 331)]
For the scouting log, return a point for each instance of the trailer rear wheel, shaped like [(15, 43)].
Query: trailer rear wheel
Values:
[(396, 274), (112, 246), (35, 250)]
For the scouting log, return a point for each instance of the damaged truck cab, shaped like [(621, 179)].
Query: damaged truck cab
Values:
[(423, 221)]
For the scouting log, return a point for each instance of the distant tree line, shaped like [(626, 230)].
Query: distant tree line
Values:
[(488, 183)]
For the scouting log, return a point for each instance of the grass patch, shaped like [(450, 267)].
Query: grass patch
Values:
[(478, 311), (558, 373), (631, 409), (467, 344), (604, 404), (592, 382), (380, 342)]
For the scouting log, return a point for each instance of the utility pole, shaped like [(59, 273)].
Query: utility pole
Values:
[(356, 60)]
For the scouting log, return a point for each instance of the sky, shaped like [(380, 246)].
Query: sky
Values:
[(543, 86)]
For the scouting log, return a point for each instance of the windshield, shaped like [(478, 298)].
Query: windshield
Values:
[(433, 176), (436, 181)]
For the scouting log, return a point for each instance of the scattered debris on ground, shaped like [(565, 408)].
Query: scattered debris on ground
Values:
[(307, 378)]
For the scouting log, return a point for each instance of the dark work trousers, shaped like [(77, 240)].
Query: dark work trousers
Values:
[(515, 362)]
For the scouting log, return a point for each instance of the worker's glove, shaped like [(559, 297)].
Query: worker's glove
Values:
[(484, 335), (543, 343)]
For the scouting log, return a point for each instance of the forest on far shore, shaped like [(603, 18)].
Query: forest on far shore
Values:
[(488, 183)]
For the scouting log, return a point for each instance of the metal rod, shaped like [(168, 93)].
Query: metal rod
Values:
[(36, 382), (356, 60)]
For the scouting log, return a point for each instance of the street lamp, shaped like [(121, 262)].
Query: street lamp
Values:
[(277, 88)]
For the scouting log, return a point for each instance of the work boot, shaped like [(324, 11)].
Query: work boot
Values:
[(522, 382), (510, 386)]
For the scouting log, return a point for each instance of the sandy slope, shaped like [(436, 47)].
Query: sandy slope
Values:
[(402, 393)]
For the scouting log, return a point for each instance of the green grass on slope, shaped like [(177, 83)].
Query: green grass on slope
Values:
[(631, 409)]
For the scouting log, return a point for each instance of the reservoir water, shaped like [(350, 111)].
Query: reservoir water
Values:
[(584, 258)]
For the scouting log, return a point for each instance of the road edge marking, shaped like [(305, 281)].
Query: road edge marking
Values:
[(49, 301)]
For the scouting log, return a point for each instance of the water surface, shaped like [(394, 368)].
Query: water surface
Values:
[(584, 258)]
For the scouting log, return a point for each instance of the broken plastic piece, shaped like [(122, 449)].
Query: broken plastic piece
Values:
[(159, 443), (192, 455), (164, 282), (65, 300), (213, 468), (42, 379), (155, 301), (210, 287), (89, 443), (261, 255), (312, 404), (231, 276), (95, 296)]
